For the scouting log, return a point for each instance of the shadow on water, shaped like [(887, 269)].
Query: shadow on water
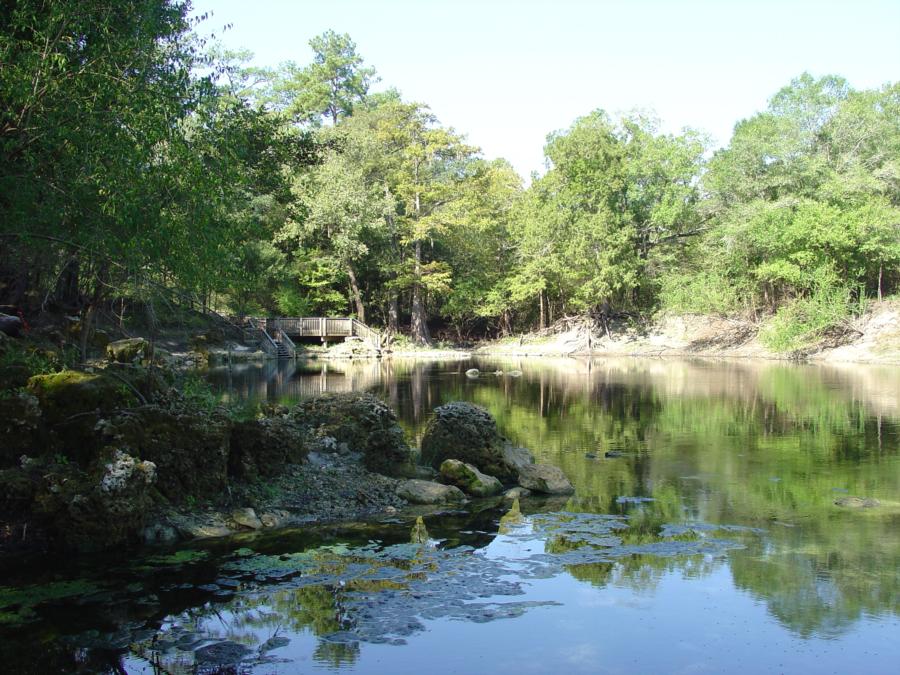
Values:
[(684, 471)]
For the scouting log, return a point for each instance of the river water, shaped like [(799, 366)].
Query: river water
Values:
[(707, 540)]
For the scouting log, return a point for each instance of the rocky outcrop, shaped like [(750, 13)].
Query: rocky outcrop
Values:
[(466, 432), (20, 427), (545, 478), (260, 448), (189, 447), (365, 424), (418, 491), (469, 479), (102, 507)]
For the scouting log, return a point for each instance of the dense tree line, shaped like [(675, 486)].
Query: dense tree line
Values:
[(134, 157)]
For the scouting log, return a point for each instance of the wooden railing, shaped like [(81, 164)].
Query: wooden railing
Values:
[(287, 342), (323, 327), (267, 343)]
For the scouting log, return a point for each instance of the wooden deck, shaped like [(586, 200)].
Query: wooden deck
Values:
[(320, 326), (276, 334)]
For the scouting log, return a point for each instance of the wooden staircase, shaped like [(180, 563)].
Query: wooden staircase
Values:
[(283, 351)]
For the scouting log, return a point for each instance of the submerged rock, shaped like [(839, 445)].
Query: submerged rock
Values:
[(857, 502), (545, 478), (418, 491), (419, 534), (466, 432), (516, 493), (469, 479), (221, 654)]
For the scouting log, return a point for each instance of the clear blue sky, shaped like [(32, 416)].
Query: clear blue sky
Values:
[(508, 72)]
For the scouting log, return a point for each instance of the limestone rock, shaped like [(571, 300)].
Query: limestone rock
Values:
[(365, 424), (261, 447), (516, 458), (545, 478), (102, 507), (418, 491), (190, 450), (466, 432), (130, 350), (469, 479), (246, 518)]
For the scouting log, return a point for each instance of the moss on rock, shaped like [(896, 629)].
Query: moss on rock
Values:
[(469, 479), (130, 350)]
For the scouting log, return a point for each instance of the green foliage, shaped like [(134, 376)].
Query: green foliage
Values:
[(296, 191), (699, 292), (198, 392), (804, 320)]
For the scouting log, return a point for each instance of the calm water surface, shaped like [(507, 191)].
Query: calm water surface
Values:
[(710, 542)]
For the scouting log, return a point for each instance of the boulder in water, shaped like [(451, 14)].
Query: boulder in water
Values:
[(418, 491), (469, 479), (365, 423), (466, 432), (545, 478)]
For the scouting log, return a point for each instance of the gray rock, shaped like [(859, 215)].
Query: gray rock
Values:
[(545, 478), (516, 458), (473, 373), (426, 492), (469, 479), (246, 518)]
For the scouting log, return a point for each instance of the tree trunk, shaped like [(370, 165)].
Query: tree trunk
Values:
[(543, 324), (357, 296), (880, 278), (67, 295), (394, 314), (418, 326)]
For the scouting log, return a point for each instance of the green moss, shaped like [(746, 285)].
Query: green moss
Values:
[(71, 392), (178, 558), (16, 604)]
